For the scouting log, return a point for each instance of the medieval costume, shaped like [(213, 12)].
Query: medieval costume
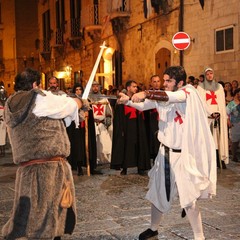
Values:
[(184, 135), (129, 147), (151, 120), (102, 113), (212, 94), (186, 162), (77, 137), (40, 145)]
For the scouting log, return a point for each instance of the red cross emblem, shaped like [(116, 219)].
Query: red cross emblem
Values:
[(130, 110), (212, 96), (82, 124), (178, 118), (98, 109), (185, 90)]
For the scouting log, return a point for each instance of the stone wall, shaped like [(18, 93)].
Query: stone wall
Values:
[(200, 25)]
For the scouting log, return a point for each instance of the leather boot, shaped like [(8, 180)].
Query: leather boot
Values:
[(149, 233), (124, 171)]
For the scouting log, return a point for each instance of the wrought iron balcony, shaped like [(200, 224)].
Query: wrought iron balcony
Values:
[(119, 9), (76, 35), (46, 53), (59, 38), (75, 28)]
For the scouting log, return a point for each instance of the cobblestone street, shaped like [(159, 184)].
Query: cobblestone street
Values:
[(111, 206)]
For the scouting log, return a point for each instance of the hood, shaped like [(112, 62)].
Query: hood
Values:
[(208, 69), (209, 85), (95, 96), (18, 106)]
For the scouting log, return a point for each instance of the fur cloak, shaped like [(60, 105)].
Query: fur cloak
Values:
[(36, 212)]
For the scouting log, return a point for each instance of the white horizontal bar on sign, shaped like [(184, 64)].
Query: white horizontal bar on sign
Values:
[(181, 40)]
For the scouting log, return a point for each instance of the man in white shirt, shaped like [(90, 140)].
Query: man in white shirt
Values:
[(181, 165), (40, 146)]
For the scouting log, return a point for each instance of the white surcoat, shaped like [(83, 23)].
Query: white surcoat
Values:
[(183, 125), (215, 102), (104, 141)]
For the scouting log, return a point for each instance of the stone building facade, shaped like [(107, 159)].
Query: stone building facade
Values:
[(136, 40), (215, 26), (18, 39), (139, 39)]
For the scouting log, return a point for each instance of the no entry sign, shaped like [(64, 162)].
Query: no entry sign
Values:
[(181, 41)]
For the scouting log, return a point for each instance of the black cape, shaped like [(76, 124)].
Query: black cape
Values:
[(129, 145)]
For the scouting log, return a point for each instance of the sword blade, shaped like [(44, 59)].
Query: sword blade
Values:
[(90, 81), (108, 97)]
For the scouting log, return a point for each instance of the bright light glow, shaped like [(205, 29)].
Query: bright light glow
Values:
[(68, 70), (60, 75), (107, 55)]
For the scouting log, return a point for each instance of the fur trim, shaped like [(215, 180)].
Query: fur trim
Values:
[(36, 212)]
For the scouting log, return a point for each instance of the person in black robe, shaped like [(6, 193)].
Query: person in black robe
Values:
[(129, 148), (77, 157), (151, 120)]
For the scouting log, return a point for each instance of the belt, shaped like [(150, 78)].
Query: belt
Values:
[(98, 121), (167, 169), (216, 121), (42, 160), (172, 150)]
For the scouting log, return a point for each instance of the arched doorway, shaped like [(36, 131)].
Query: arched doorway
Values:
[(162, 61)]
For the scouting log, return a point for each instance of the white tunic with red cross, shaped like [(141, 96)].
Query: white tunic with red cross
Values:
[(183, 126), (99, 109), (215, 102), (103, 138)]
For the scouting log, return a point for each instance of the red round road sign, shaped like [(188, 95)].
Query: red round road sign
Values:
[(181, 41)]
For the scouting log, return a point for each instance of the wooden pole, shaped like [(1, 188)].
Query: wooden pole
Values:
[(86, 146)]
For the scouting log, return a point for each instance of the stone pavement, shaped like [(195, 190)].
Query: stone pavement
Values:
[(113, 207)]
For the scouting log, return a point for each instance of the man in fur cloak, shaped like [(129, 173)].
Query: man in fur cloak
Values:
[(186, 161), (213, 96), (40, 145)]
